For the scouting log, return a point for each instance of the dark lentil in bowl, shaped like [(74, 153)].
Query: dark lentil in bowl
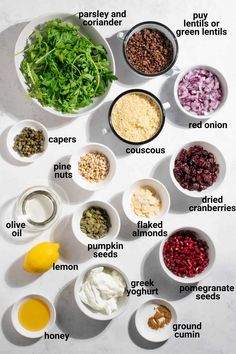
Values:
[(150, 48)]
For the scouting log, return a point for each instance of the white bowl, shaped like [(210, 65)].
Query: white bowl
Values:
[(23, 331), (81, 181), (158, 187), (223, 85), (88, 31), (211, 255), (16, 129), (114, 218), (88, 311), (219, 158), (145, 311), (52, 201)]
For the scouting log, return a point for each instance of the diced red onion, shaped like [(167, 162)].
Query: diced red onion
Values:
[(200, 92)]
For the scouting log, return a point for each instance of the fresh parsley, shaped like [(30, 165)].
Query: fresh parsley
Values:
[(63, 69)]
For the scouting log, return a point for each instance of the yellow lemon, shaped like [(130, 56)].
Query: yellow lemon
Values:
[(41, 257)]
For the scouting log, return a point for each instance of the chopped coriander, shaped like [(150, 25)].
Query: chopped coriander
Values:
[(63, 69)]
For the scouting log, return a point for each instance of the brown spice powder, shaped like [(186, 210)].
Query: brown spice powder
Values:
[(161, 317)]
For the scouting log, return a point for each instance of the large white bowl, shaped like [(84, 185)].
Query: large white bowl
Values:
[(114, 218), (23, 331), (145, 311), (81, 181), (88, 311), (219, 158), (160, 190), (88, 31), (211, 255), (223, 85), (16, 129)]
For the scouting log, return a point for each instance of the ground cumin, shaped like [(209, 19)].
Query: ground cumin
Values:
[(161, 317)]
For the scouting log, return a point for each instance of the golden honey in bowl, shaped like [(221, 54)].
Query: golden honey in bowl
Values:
[(34, 314)]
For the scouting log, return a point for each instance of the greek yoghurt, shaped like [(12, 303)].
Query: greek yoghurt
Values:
[(102, 289)]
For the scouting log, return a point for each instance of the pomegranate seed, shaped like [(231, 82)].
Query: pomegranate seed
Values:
[(185, 254)]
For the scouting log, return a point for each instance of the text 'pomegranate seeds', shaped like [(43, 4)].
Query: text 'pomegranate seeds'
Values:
[(185, 254), (195, 168)]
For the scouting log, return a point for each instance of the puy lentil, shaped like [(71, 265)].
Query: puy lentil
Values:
[(29, 142), (95, 222), (149, 51)]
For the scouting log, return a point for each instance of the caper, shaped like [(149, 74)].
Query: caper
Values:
[(29, 142)]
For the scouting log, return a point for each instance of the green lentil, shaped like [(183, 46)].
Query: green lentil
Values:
[(29, 142), (95, 222)]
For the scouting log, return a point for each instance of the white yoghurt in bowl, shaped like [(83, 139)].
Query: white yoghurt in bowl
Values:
[(102, 289)]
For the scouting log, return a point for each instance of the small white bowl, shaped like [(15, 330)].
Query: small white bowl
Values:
[(145, 311), (223, 85), (88, 31), (81, 181), (23, 331), (219, 158), (114, 218), (88, 311), (211, 255), (16, 129), (160, 190)]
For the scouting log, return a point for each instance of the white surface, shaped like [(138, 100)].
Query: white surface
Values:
[(139, 255)]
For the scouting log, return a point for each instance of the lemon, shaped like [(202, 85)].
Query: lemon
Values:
[(41, 257)]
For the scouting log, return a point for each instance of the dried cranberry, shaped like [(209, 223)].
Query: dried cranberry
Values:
[(185, 254), (195, 168)]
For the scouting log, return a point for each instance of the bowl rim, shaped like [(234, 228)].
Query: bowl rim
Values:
[(144, 92), (206, 271), (35, 125), (222, 80), (18, 207), (126, 194), (205, 191), (51, 110), (104, 238), (102, 184), (155, 300), (174, 56), (84, 308), (23, 331)]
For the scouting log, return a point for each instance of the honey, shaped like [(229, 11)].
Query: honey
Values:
[(34, 314)]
